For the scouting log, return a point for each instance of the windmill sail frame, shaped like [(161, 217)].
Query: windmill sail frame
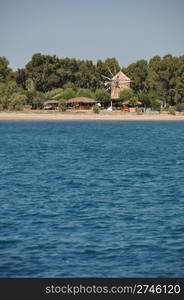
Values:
[(118, 82)]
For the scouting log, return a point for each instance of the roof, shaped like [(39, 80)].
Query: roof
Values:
[(159, 101), (81, 100), (121, 76), (50, 102), (128, 102)]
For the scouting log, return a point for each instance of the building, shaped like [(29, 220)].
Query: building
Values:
[(118, 83), (50, 104), (81, 102)]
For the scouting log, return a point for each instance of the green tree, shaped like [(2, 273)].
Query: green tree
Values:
[(162, 79), (105, 70), (9, 94), (54, 93), (126, 95), (138, 73), (7, 89), (68, 94), (86, 77), (102, 96), (42, 70), (112, 66), (30, 96), (37, 100), (21, 76), (30, 86), (85, 93), (5, 71), (69, 84), (146, 98), (4, 102), (17, 101)]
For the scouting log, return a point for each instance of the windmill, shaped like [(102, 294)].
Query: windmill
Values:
[(116, 83)]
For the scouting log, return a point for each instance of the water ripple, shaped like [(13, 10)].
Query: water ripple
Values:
[(92, 199)]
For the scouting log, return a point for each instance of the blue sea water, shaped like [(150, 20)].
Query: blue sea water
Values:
[(91, 199)]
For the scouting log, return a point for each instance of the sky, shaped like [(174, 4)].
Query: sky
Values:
[(91, 29)]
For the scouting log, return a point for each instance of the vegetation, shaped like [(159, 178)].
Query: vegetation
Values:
[(96, 109), (171, 110), (103, 97), (157, 83)]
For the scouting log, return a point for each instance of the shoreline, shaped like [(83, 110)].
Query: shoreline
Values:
[(86, 116)]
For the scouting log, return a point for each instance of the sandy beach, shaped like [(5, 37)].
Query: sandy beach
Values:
[(87, 116)]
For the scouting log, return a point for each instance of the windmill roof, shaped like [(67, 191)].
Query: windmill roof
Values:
[(121, 76)]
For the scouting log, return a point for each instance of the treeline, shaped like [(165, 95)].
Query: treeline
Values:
[(46, 76)]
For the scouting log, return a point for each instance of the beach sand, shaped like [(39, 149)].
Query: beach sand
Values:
[(87, 116)]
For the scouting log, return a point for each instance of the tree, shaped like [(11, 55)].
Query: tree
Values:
[(86, 77), (17, 101), (161, 77), (30, 96), (37, 100), (42, 70), (7, 89), (30, 86), (102, 96), (108, 68), (67, 94), (126, 95), (54, 93), (21, 76), (146, 98), (138, 74), (69, 84), (5, 71), (85, 93), (112, 66)]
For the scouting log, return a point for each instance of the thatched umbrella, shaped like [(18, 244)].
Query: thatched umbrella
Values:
[(47, 102), (50, 104)]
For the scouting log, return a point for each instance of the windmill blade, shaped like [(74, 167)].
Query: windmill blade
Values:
[(106, 77), (110, 71), (115, 69)]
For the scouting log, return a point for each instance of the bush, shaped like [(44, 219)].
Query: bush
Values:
[(62, 105), (96, 109), (171, 110), (4, 102), (139, 111)]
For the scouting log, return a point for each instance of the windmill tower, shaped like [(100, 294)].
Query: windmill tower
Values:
[(117, 83)]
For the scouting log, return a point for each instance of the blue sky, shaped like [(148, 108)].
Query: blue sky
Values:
[(91, 29)]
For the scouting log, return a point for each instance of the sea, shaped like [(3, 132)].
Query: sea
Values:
[(91, 199)]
